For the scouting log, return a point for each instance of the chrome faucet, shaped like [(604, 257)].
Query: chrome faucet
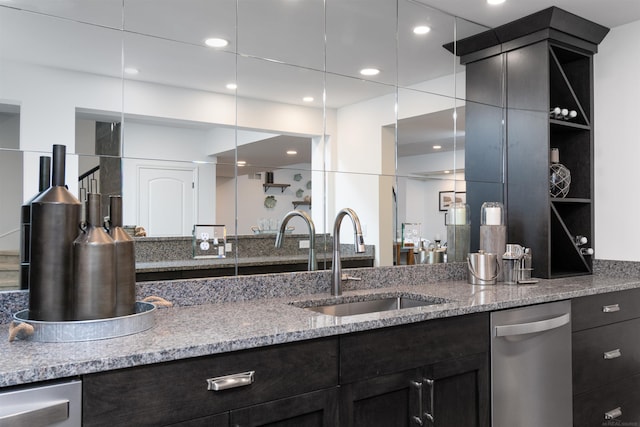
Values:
[(336, 266), (312, 265)]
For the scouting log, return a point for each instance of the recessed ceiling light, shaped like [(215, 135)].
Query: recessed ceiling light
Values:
[(369, 71), (291, 152), (232, 86), (494, 2), (216, 42), (131, 71), (447, 171), (421, 29), (437, 147), (241, 163), (308, 99)]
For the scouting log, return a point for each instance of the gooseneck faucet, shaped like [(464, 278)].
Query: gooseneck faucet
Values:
[(312, 265), (336, 274)]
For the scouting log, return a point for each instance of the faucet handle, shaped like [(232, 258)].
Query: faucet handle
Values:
[(345, 277)]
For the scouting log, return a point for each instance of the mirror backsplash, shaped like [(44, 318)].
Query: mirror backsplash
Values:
[(204, 125)]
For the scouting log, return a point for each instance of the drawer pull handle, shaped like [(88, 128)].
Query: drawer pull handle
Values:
[(613, 354), (613, 414), (610, 308), (230, 381)]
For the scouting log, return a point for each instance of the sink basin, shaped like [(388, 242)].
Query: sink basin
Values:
[(372, 305)]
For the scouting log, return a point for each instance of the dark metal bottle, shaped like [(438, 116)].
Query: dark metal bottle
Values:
[(55, 215), (125, 260), (25, 221), (94, 261)]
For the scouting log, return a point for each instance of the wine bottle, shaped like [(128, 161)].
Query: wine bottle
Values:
[(580, 240)]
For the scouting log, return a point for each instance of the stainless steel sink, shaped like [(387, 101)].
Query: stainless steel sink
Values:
[(373, 305)]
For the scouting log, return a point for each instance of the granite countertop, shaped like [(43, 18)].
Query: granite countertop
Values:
[(189, 331), (207, 263)]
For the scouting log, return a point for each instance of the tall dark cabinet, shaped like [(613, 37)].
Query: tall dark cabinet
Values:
[(516, 74)]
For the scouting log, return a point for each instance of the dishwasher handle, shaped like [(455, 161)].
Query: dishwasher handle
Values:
[(532, 327), (43, 415)]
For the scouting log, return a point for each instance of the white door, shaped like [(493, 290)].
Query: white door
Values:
[(167, 202)]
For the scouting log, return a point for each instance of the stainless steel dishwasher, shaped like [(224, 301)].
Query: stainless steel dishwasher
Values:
[(58, 405), (531, 366)]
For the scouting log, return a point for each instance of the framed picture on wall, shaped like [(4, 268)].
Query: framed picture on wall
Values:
[(447, 198)]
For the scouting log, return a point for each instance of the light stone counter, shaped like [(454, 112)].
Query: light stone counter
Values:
[(256, 311)]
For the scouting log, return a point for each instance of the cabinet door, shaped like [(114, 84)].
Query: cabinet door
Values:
[(459, 392), (387, 400), (616, 404), (316, 409)]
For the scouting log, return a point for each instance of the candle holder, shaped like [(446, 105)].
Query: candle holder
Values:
[(493, 232)]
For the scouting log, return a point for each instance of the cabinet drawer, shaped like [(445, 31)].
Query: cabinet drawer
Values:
[(589, 408), (173, 392), (604, 309), (605, 354), (382, 351)]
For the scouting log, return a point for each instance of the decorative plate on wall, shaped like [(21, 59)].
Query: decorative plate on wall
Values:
[(270, 202), (297, 177), (308, 185), (299, 193)]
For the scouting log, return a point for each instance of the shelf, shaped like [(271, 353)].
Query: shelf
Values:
[(569, 125), (282, 187), (297, 203), (569, 200)]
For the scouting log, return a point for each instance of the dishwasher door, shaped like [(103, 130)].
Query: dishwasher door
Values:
[(531, 366)]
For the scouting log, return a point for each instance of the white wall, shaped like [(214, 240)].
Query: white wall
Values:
[(617, 145), (251, 197)]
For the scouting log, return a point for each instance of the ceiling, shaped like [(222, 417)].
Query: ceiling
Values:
[(610, 13)]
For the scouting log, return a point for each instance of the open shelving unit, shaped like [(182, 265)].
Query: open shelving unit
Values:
[(518, 73)]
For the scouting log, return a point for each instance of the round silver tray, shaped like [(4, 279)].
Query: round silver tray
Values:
[(89, 330)]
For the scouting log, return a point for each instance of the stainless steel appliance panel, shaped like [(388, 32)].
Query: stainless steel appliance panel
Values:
[(531, 366)]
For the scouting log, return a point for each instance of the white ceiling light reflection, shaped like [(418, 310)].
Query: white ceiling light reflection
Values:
[(216, 42), (232, 86), (421, 29), (369, 71), (132, 71)]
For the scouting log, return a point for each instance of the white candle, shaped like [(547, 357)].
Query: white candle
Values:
[(493, 216), (459, 216)]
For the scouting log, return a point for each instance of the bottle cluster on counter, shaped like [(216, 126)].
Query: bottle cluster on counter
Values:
[(77, 270)]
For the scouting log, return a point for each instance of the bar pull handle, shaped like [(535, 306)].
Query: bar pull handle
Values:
[(613, 414), (613, 354), (418, 418), (230, 381), (430, 414), (533, 327), (41, 416), (610, 308)]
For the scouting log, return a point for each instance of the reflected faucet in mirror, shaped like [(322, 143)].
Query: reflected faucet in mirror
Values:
[(312, 265), (336, 274)]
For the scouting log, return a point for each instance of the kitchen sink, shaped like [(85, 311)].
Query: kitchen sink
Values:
[(374, 304)]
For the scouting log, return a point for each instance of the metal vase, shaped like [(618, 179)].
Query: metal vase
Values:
[(94, 260), (125, 260), (25, 221), (55, 215)]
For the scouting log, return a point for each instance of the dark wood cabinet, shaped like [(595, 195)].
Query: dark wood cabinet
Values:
[(431, 373), (316, 409), (516, 75), (177, 392), (606, 359), (382, 377)]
